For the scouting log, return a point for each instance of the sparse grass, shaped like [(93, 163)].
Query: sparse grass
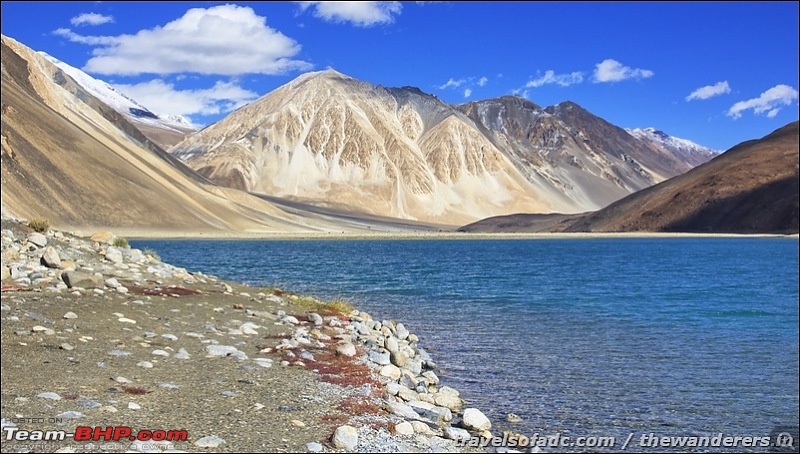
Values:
[(152, 254), (273, 290), (40, 225), (337, 307)]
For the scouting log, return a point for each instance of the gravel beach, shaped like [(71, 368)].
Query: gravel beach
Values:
[(98, 335)]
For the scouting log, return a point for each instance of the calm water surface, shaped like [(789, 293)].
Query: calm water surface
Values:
[(672, 336)]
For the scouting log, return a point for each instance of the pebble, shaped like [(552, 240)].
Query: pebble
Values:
[(71, 415), (159, 352), (66, 346), (134, 406), (313, 447), (145, 364), (51, 396), (209, 441), (70, 315)]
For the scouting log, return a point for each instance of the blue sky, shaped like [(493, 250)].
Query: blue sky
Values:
[(715, 73)]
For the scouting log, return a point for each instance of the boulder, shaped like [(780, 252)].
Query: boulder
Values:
[(50, 258), (473, 419), (81, 279), (345, 437)]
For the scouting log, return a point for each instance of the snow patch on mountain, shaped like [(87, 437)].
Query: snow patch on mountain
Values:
[(118, 101)]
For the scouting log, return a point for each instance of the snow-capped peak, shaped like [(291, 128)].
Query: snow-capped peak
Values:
[(118, 101), (683, 148)]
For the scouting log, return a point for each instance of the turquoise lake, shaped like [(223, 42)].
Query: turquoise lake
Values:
[(608, 337)]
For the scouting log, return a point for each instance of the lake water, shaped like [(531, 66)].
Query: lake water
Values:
[(607, 337)]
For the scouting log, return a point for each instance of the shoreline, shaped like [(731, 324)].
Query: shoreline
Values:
[(145, 234), (336, 382)]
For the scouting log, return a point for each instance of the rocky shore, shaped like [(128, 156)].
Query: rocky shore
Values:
[(97, 334)]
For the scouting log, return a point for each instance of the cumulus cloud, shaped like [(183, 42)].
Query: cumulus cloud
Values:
[(610, 70), (483, 81), (225, 40), (768, 102), (550, 77), (163, 98), (90, 19), (452, 83), (467, 93), (709, 91), (362, 14)]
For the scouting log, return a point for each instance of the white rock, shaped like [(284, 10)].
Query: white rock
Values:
[(404, 428), (111, 282), (455, 433), (391, 344), (70, 315), (347, 349), (391, 371), (345, 437), (209, 441), (134, 406), (159, 352), (475, 420), (51, 396), (313, 446)]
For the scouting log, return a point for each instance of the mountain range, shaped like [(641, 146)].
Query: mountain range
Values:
[(325, 152), (751, 188), (331, 140)]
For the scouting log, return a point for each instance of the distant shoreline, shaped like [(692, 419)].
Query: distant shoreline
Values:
[(152, 234)]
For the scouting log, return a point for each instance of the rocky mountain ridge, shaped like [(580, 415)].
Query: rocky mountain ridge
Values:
[(329, 139)]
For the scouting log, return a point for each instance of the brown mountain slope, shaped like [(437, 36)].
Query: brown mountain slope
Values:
[(76, 162), (751, 188)]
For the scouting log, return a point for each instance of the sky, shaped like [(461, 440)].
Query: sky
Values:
[(716, 73)]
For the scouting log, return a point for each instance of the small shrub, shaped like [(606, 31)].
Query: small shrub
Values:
[(40, 225), (152, 254), (120, 242)]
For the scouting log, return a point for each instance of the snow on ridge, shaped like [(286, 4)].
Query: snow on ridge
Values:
[(118, 101), (659, 136)]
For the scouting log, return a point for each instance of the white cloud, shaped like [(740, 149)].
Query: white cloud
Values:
[(162, 97), (610, 70), (452, 83), (467, 92), (225, 40), (90, 19), (362, 14), (709, 91), (550, 77), (768, 102), (483, 81)]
